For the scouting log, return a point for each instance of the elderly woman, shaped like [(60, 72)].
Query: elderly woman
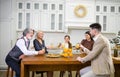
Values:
[(39, 44)]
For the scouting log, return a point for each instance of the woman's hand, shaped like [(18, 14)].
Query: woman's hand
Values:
[(81, 46), (41, 51)]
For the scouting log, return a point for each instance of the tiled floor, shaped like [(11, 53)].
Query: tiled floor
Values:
[(56, 74)]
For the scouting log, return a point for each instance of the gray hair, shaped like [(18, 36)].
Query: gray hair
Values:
[(26, 31)]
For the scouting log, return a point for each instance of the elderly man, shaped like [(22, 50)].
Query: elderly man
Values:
[(20, 49)]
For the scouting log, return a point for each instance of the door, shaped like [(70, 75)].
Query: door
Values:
[(5, 41)]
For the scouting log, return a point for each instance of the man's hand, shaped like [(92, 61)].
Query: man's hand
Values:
[(79, 59), (21, 56)]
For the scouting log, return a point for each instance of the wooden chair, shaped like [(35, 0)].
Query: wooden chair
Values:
[(77, 74), (62, 73), (9, 72), (33, 73)]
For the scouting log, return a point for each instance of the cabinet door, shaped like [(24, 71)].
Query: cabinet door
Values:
[(112, 23), (35, 20), (20, 20), (45, 24), (27, 19), (44, 15), (117, 23)]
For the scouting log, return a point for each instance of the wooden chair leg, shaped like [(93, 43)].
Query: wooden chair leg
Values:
[(69, 73), (9, 72), (33, 73), (62, 73), (77, 74), (41, 74)]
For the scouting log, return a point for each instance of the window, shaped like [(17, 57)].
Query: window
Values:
[(60, 7), (98, 8), (20, 5), (20, 20), (104, 23), (28, 6), (36, 6), (97, 18), (45, 6), (27, 20), (53, 7), (112, 9), (52, 21), (105, 9), (119, 9), (60, 21)]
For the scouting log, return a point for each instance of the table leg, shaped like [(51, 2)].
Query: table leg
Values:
[(24, 71)]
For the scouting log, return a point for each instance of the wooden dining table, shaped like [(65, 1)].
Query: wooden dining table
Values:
[(43, 63)]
